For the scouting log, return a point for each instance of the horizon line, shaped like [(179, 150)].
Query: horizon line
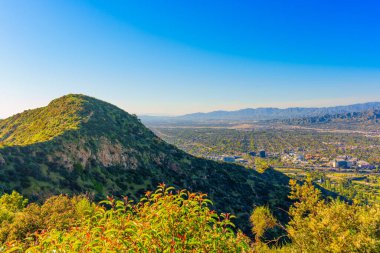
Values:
[(233, 109), (253, 108)]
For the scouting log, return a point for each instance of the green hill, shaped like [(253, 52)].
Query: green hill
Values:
[(78, 144)]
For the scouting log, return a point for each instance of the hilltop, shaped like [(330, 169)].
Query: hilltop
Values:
[(79, 144), (42, 124)]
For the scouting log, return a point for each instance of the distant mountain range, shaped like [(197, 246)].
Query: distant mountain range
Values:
[(260, 114), (364, 120)]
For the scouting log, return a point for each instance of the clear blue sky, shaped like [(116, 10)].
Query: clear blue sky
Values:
[(174, 57)]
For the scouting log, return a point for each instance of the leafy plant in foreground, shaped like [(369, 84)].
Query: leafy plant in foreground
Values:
[(163, 221)]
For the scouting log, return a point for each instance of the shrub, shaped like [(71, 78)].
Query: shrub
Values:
[(162, 221)]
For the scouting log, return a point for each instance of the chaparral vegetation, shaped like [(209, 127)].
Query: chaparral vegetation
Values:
[(170, 220)]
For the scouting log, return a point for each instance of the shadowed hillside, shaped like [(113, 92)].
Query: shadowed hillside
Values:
[(80, 144)]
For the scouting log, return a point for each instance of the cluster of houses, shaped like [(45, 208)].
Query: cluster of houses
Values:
[(340, 162), (293, 157), (238, 158), (347, 162)]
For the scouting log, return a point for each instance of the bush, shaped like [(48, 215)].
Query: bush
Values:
[(162, 221), (58, 212), (318, 225)]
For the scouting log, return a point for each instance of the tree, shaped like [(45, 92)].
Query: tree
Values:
[(318, 225), (262, 219), (262, 165)]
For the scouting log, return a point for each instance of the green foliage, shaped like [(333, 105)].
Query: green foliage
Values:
[(262, 164), (262, 219), (59, 212), (308, 198), (318, 225), (335, 226), (10, 205), (162, 221), (13, 202), (42, 124), (360, 188), (182, 221), (112, 153)]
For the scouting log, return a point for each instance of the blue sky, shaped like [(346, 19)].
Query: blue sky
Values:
[(175, 57)]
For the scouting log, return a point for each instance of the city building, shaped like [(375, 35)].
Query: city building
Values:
[(299, 157), (229, 159), (241, 160), (340, 164), (365, 165)]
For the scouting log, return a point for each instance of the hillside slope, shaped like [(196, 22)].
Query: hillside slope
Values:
[(80, 144)]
